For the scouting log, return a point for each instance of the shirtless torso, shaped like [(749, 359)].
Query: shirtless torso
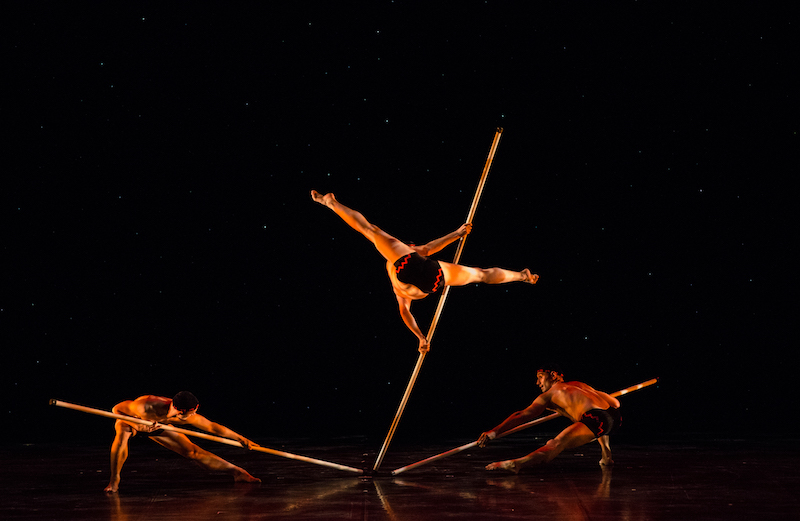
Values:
[(393, 249), (157, 409), (162, 410), (573, 399), (592, 412)]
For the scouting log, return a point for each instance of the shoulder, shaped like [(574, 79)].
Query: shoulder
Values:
[(556, 391), (197, 420), (151, 398), (404, 298), (579, 385), (547, 396)]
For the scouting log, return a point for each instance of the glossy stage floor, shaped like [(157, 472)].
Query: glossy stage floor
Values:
[(684, 477)]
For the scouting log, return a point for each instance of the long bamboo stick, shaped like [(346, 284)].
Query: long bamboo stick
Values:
[(188, 432), (518, 428), (440, 306)]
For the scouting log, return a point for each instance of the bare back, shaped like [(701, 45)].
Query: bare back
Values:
[(156, 409), (573, 399), (147, 407)]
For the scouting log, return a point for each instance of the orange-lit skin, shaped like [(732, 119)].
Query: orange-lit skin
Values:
[(569, 399), (161, 410), (392, 249)]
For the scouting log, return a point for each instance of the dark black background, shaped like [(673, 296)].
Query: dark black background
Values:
[(159, 235)]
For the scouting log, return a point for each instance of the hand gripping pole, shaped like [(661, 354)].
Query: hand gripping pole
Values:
[(188, 432), (440, 306), (518, 428)]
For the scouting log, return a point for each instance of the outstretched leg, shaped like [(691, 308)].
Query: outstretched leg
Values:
[(573, 436), (457, 275), (180, 443), (388, 246)]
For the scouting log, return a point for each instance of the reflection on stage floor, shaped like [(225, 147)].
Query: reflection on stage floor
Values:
[(685, 477)]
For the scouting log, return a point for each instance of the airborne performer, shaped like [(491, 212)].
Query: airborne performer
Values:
[(413, 275)]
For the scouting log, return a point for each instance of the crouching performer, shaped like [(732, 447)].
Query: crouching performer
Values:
[(180, 410), (595, 415)]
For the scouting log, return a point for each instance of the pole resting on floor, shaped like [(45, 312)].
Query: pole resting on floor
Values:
[(518, 428), (188, 432), (442, 299)]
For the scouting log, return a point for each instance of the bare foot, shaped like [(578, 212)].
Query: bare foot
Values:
[(510, 465), (245, 477), (112, 488), (530, 278), (326, 199), (606, 462)]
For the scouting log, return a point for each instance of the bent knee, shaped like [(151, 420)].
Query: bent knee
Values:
[(555, 443), (121, 426)]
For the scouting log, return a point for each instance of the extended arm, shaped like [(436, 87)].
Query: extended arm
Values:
[(405, 313), (613, 402), (440, 243), (518, 418), (201, 422)]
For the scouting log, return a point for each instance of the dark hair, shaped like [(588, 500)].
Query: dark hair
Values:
[(185, 401), (547, 367)]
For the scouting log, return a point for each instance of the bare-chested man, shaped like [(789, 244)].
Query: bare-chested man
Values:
[(180, 410), (595, 415), (413, 275)]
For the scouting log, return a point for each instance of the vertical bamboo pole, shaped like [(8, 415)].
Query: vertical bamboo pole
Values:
[(442, 299)]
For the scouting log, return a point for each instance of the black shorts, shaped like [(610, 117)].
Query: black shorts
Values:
[(426, 274), (602, 422)]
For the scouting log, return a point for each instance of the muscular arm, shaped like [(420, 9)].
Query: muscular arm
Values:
[(518, 418), (135, 409), (203, 423), (440, 243), (405, 313), (123, 408), (613, 402)]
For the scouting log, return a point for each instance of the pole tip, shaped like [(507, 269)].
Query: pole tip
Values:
[(370, 473)]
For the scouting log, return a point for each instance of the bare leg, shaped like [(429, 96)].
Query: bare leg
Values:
[(180, 443), (573, 436), (457, 275), (389, 247), (605, 448), (119, 453)]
